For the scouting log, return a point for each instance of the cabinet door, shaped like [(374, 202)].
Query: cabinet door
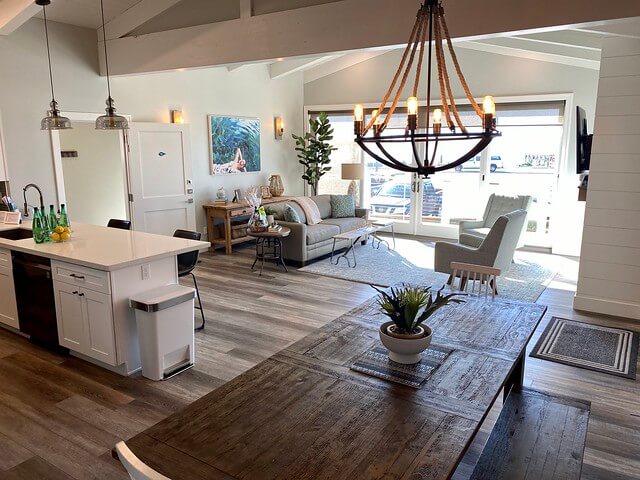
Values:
[(99, 323), (8, 309), (71, 325)]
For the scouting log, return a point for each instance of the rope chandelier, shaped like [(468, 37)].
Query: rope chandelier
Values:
[(429, 29)]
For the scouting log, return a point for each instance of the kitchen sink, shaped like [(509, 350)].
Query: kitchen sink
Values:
[(16, 234)]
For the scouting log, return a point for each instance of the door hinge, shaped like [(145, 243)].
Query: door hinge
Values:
[(131, 197)]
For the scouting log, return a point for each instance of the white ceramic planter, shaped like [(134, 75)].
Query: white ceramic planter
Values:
[(405, 350)]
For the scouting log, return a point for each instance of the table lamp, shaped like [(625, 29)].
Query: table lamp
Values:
[(353, 172)]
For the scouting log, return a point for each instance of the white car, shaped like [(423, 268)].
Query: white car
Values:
[(474, 164)]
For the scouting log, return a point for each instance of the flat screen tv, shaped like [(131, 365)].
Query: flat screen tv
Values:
[(583, 142)]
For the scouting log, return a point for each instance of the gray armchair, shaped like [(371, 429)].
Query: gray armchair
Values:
[(495, 250), (475, 231)]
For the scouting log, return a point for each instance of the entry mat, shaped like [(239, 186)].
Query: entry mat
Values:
[(594, 347), (376, 363)]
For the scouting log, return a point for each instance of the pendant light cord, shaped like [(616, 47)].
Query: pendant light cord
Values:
[(104, 41), (46, 34)]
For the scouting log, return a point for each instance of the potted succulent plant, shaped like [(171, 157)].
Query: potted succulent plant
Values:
[(408, 307)]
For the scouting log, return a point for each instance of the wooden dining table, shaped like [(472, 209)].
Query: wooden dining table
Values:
[(304, 414)]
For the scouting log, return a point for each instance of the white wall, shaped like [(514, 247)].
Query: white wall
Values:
[(487, 74), (94, 180), (609, 278), (247, 91), (24, 97)]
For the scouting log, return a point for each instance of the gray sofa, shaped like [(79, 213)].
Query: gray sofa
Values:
[(308, 242), (495, 250)]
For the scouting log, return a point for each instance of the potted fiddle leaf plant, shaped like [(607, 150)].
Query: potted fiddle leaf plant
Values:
[(406, 335)]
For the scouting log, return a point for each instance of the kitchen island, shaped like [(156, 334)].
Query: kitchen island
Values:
[(93, 275)]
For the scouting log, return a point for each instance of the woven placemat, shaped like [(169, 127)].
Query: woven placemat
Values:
[(375, 362)]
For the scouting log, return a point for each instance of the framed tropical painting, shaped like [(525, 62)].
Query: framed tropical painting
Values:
[(234, 144)]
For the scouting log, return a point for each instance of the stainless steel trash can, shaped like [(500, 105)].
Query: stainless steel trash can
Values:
[(164, 317)]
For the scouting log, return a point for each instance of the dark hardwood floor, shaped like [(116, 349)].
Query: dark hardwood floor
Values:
[(60, 416)]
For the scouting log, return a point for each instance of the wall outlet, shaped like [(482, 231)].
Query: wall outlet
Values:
[(146, 271)]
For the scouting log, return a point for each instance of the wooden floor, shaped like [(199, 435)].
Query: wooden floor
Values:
[(60, 416)]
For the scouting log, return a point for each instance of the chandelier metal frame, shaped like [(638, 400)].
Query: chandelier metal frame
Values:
[(429, 30)]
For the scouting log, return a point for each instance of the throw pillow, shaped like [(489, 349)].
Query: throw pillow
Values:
[(343, 206), (290, 215)]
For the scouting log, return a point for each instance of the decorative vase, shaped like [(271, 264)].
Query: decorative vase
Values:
[(275, 185), (271, 220), (221, 194), (405, 349)]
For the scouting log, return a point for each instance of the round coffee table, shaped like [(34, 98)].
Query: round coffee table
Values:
[(269, 246)]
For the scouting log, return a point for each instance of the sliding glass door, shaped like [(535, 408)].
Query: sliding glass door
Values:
[(524, 161)]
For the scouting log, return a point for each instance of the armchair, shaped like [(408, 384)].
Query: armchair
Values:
[(495, 250), (472, 233)]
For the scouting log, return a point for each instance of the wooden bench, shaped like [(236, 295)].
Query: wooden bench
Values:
[(537, 437)]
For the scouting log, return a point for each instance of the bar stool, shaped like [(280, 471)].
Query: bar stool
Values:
[(121, 224), (187, 262)]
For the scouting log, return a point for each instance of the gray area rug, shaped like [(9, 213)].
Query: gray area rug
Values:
[(412, 262), (594, 347)]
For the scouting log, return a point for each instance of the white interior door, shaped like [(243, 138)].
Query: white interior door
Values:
[(160, 176)]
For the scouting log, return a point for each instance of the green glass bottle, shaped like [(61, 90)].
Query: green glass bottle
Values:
[(64, 218), (39, 231), (53, 218)]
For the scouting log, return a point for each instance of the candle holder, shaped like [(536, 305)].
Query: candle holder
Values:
[(358, 125), (437, 128), (488, 122), (412, 122)]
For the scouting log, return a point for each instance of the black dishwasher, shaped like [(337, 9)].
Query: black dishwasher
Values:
[(35, 299)]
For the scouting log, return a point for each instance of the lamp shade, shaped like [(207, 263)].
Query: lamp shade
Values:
[(351, 171)]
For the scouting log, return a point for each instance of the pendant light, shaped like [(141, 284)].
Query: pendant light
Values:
[(110, 121), (53, 120)]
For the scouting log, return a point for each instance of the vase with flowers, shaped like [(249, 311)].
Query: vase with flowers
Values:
[(258, 219)]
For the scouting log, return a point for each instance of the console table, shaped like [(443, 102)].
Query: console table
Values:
[(234, 215)]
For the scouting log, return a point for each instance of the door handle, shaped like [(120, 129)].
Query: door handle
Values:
[(190, 200)]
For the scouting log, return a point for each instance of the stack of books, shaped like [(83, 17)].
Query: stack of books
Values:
[(275, 228), (219, 202)]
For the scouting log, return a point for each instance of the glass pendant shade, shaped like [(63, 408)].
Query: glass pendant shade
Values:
[(111, 121), (53, 120)]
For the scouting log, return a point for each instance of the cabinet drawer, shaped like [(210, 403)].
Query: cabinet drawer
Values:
[(241, 211), (96, 280), (5, 259)]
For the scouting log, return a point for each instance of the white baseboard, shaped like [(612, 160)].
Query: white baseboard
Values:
[(607, 307)]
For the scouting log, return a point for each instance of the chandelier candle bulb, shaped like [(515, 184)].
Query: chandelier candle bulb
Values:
[(412, 113), (437, 121), (489, 110), (358, 119)]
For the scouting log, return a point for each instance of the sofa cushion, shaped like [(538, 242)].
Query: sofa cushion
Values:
[(478, 232), (324, 205), (321, 232), (346, 224), (290, 215), (343, 206), (279, 208)]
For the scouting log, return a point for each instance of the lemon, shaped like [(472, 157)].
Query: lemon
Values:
[(65, 236), (59, 229), (55, 237), (67, 230)]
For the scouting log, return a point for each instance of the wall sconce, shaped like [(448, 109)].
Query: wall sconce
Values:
[(278, 125), (176, 116)]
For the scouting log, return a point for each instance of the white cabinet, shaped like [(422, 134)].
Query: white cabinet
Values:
[(85, 316), (8, 308)]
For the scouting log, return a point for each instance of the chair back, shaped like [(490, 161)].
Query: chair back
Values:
[(136, 469), (499, 205), (478, 276), (121, 224), (187, 261)]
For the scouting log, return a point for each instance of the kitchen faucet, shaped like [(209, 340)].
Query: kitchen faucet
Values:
[(24, 194)]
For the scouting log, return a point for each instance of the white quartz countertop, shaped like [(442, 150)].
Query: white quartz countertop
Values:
[(104, 248)]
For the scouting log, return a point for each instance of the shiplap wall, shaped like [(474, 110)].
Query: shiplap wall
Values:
[(609, 278)]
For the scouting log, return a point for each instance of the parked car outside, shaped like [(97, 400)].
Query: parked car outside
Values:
[(495, 163), (394, 199)]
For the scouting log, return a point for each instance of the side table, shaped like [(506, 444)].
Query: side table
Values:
[(269, 247)]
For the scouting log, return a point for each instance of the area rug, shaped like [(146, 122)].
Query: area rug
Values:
[(412, 262), (594, 347)]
